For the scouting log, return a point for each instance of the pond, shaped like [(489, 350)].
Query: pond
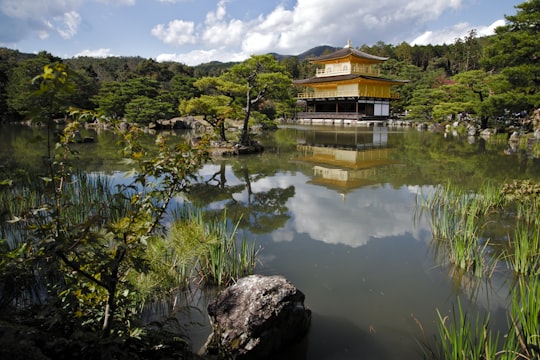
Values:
[(334, 210)]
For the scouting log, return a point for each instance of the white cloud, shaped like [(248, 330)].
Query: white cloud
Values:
[(490, 30), (118, 2), (177, 32), (458, 31), (69, 24), (196, 57), (257, 42), (223, 33), (309, 23), (216, 16), (238, 28), (44, 17), (98, 53)]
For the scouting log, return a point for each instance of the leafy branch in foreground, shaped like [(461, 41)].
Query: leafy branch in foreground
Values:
[(91, 243)]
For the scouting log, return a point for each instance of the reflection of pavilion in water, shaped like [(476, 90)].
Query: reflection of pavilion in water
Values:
[(346, 160)]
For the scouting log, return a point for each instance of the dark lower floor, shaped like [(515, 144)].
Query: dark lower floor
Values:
[(357, 107)]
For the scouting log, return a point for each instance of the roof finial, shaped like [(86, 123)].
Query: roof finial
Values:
[(349, 44)]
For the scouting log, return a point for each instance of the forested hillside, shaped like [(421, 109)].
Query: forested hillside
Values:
[(488, 77)]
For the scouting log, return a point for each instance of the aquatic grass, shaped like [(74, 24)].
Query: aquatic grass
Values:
[(457, 221), (463, 338), (196, 249), (524, 334), (525, 250), (229, 258), (26, 207), (173, 258)]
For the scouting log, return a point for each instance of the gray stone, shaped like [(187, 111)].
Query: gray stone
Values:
[(256, 317)]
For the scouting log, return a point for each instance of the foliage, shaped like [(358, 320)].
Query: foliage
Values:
[(137, 99), (457, 220), (20, 86), (93, 240), (503, 68), (513, 52), (524, 243), (260, 77), (196, 249), (465, 338), (212, 105), (144, 110)]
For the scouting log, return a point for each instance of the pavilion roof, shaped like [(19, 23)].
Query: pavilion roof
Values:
[(348, 51), (337, 78)]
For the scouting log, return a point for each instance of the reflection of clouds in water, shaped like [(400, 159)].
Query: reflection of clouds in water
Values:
[(361, 215)]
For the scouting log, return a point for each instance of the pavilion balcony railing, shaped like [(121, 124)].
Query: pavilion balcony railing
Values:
[(330, 115), (346, 70), (343, 94)]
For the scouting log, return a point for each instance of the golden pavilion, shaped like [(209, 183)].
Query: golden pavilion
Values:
[(347, 86)]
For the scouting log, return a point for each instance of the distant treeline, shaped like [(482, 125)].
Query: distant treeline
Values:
[(485, 76)]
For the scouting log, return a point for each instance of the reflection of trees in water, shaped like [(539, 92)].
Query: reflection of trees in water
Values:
[(259, 212)]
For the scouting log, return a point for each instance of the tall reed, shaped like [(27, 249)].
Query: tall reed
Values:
[(229, 258), (463, 338), (524, 335), (458, 218), (26, 205), (197, 249), (524, 241), (457, 221)]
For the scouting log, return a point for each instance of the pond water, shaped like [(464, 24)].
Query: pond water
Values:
[(334, 210)]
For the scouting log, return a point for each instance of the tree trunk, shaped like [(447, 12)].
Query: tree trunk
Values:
[(106, 350), (244, 137), (110, 308), (221, 126)]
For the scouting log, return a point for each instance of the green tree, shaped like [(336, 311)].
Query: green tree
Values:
[(292, 65), (404, 53), (467, 52), (110, 100), (215, 109), (514, 53), (144, 110), (423, 102), (182, 87), (113, 97), (476, 81), (258, 78), (214, 105), (20, 86), (140, 86), (8, 62)]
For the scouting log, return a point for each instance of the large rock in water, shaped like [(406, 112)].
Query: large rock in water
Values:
[(256, 317)]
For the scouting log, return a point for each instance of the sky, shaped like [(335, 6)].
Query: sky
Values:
[(199, 31)]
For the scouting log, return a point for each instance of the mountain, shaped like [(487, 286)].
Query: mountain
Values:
[(313, 52)]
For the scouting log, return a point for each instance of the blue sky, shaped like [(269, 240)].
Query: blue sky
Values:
[(198, 31)]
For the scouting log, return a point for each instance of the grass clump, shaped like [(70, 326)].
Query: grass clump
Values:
[(458, 221), (465, 338), (458, 218), (524, 242), (195, 250)]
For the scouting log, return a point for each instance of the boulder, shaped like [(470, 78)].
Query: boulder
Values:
[(256, 317)]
